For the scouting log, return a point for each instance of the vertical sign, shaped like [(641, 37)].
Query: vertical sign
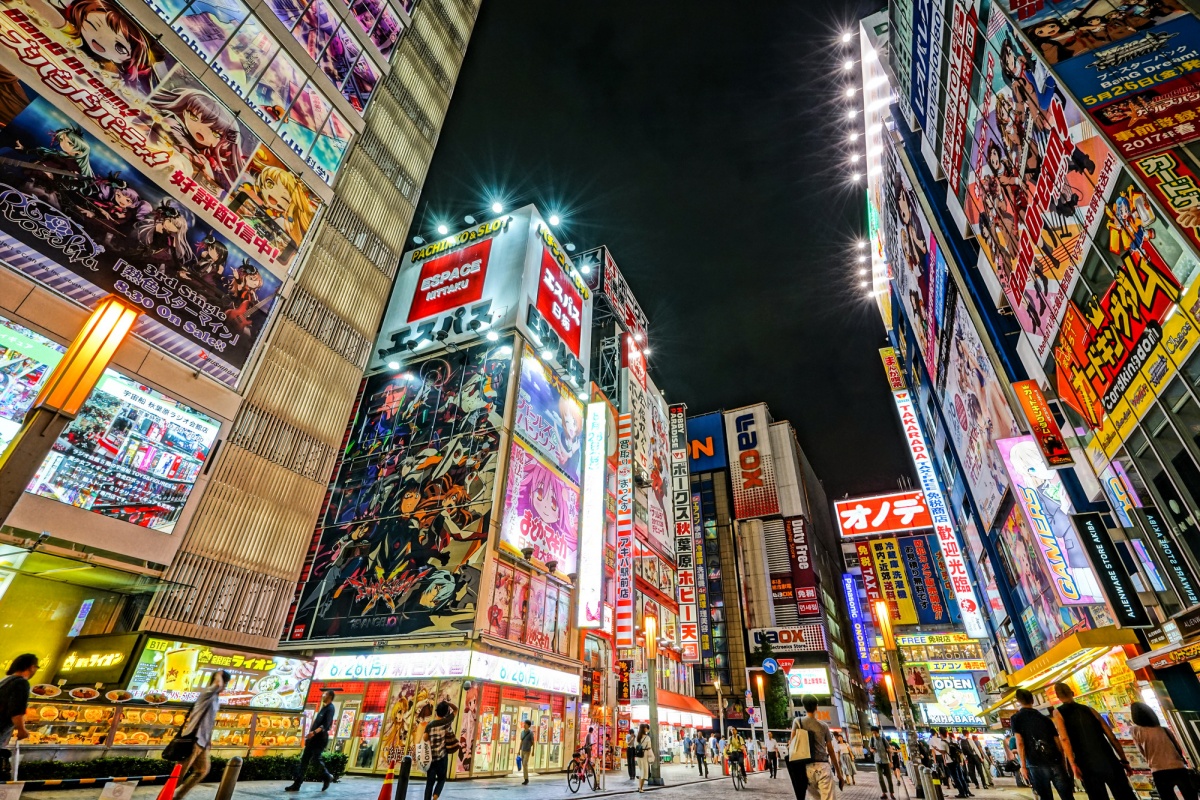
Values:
[(685, 543), (1043, 425), (701, 579), (857, 622), (956, 565), (804, 577), (1110, 570), (1173, 559), (893, 582), (958, 88), (590, 578), (751, 466), (870, 580), (624, 610), (926, 582)]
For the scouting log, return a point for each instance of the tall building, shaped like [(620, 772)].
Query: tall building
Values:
[(770, 576), (246, 175), (1034, 255)]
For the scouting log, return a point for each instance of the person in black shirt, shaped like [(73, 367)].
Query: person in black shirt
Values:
[(1039, 753), (315, 744), (1092, 750), (14, 703)]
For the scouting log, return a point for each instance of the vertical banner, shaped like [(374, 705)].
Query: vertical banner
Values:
[(1176, 564), (857, 622), (956, 565), (590, 575), (751, 466), (870, 579), (624, 608), (804, 577), (926, 582), (685, 543), (893, 581), (701, 579), (1043, 425), (1110, 569), (963, 25)]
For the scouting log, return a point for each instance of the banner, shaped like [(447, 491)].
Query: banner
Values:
[(624, 568), (549, 415), (858, 623), (1114, 577), (541, 512), (593, 522), (921, 566), (870, 578), (1177, 567), (702, 579), (681, 508), (920, 683), (884, 513), (963, 27), (893, 581), (752, 467), (1043, 425), (706, 443), (804, 576), (1175, 185)]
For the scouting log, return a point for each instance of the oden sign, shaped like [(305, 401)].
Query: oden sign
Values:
[(752, 468)]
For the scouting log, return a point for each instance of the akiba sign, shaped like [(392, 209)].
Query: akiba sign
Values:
[(1110, 569), (504, 273), (752, 467)]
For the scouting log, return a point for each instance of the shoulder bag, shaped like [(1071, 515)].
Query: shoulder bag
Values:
[(180, 748), (800, 746)]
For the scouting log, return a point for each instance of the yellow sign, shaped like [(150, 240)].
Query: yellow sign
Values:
[(970, 665), (893, 581), (91, 661)]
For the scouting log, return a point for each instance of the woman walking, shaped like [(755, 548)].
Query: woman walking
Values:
[(799, 754), (645, 755), (1162, 752)]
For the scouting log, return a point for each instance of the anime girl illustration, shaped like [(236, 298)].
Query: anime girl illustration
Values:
[(162, 235), (546, 509), (211, 255), (205, 135), (69, 180), (246, 304), (105, 34), (287, 200)]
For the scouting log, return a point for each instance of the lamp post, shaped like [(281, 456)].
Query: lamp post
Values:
[(762, 707), (720, 705), (898, 695), (651, 632), (61, 396)]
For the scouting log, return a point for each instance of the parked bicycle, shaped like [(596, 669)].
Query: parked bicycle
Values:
[(581, 770)]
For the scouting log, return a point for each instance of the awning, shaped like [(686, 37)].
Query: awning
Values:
[(1071, 654), (1004, 700), (681, 702)]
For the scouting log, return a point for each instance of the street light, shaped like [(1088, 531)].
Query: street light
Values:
[(650, 626), (762, 706), (720, 705), (898, 695)]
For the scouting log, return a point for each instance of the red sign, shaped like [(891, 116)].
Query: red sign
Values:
[(885, 513), (1043, 425), (804, 576), (450, 281), (785, 664), (560, 302), (1172, 181)]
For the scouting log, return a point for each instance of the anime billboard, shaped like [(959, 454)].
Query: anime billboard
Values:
[(401, 544), (78, 218), (660, 523), (541, 511), (549, 417)]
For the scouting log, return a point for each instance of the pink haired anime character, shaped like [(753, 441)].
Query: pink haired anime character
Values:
[(548, 507)]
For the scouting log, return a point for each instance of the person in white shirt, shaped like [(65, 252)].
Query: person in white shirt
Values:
[(772, 748), (846, 756)]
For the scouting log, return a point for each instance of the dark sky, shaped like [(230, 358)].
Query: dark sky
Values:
[(705, 143)]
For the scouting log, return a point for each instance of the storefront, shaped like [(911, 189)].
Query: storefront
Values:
[(385, 700), (127, 694), (678, 716)]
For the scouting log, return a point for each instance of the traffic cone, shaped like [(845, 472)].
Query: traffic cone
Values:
[(385, 791), (168, 790)]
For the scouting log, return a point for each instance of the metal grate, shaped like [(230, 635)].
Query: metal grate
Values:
[(419, 46), (279, 442), (328, 328), (438, 10)]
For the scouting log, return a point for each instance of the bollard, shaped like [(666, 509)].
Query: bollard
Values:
[(229, 778), (402, 778)]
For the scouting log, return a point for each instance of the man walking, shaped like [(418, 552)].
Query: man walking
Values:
[(526, 749), (14, 703), (881, 754), (956, 764), (315, 743), (699, 746), (820, 775), (437, 733), (985, 761), (772, 748), (972, 760), (630, 756), (1039, 752), (1092, 750), (200, 722)]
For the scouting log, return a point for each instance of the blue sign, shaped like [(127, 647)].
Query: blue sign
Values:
[(706, 443), (858, 623), (770, 666)]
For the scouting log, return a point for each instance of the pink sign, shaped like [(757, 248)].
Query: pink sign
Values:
[(541, 511)]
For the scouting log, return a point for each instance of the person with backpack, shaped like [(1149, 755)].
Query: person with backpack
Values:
[(1091, 748), (1039, 751), (645, 756), (1164, 756), (438, 734), (699, 746), (956, 764), (881, 754)]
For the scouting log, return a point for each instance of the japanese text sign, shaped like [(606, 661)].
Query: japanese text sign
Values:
[(885, 513)]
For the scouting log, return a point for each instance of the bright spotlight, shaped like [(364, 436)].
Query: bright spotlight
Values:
[(854, 157), (555, 219), (862, 271), (547, 354), (443, 230), (847, 38), (492, 336), (855, 176), (393, 365), (408, 376), (850, 92), (585, 269), (861, 244), (849, 65), (854, 136), (637, 337), (645, 351), (861, 259), (497, 207), (853, 113), (863, 284), (583, 395)]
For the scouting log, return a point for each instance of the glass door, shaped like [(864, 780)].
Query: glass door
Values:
[(366, 742), (345, 715), (507, 738)]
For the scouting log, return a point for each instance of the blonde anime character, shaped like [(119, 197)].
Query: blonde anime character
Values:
[(287, 198), (395, 735)]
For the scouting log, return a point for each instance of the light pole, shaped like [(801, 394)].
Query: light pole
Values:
[(651, 634), (897, 694), (720, 706), (762, 706)]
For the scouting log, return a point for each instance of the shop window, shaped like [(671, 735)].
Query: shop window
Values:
[(1172, 453)]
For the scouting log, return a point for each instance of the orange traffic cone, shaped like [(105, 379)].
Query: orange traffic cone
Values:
[(385, 791), (168, 790)]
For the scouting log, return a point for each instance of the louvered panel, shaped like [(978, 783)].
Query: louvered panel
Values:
[(365, 191), (265, 435), (775, 541), (396, 131), (451, 20), (373, 147), (437, 40), (319, 321), (344, 280), (416, 83), (349, 224), (400, 91), (417, 42)]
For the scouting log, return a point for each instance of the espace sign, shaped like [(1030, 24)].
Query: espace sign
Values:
[(751, 466)]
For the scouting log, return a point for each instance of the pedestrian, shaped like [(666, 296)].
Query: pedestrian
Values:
[(645, 755), (1039, 751), (956, 764), (630, 757), (1092, 750), (772, 748), (988, 762), (199, 723), (439, 733), (14, 704), (880, 752), (973, 761), (824, 758), (896, 770), (1160, 748), (799, 754), (315, 743), (526, 748), (687, 749), (699, 746), (846, 756)]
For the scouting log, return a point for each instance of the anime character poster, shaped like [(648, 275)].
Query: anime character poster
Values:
[(541, 511), (549, 416), (1037, 181), (468, 727), (401, 543), (244, 59), (276, 203), (78, 218), (361, 84), (659, 518), (207, 25), (976, 414), (1063, 29)]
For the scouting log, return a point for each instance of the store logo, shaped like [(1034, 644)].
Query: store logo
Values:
[(451, 281), (748, 456)]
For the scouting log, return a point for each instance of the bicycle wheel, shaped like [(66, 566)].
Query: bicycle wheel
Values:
[(573, 776), (739, 780), (592, 778)]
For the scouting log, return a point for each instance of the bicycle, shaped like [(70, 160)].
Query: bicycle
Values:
[(580, 772), (737, 771)]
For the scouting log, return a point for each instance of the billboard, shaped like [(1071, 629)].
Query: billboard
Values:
[(808, 680), (957, 701), (752, 467), (400, 546), (893, 583), (1111, 570), (659, 523), (686, 575), (1175, 185), (1041, 421), (604, 277), (593, 521), (964, 26), (706, 443), (884, 513), (919, 554), (804, 576), (625, 543), (804, 638), (858, 622), (541, 512), (920, 683), (549, 416)]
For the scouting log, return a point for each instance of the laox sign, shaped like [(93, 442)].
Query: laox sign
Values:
[(748, 456), (753, 470)]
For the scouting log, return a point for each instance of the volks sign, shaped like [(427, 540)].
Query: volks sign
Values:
[(751, 466)]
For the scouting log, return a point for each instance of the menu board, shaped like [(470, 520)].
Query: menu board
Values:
[(179, 671)]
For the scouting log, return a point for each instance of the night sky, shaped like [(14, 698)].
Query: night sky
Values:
[(706, 144)]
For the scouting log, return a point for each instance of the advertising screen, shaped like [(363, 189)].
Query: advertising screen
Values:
[(920, 564), (179, 671), (401, 543), (550, 417), (706, 443), (658, 508), (590, 583), (808, 680), (957, 701), (132, 453), (541, 511)]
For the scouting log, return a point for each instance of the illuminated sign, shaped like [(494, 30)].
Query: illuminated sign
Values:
[(796, 639), (681, 505), (970, 665), (857, 622), (391, 666), (808, 680), (957, 702), (498, 669), (885, 513), (97, 659), (908, 639), (1114, 577), (624, 568), (181, 670), (1043, 425), (706, 443), (590, 576), (804, 576), (752, 468)]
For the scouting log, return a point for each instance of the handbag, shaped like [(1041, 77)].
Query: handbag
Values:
[(424, 754), (800, 747), (180, 748)]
